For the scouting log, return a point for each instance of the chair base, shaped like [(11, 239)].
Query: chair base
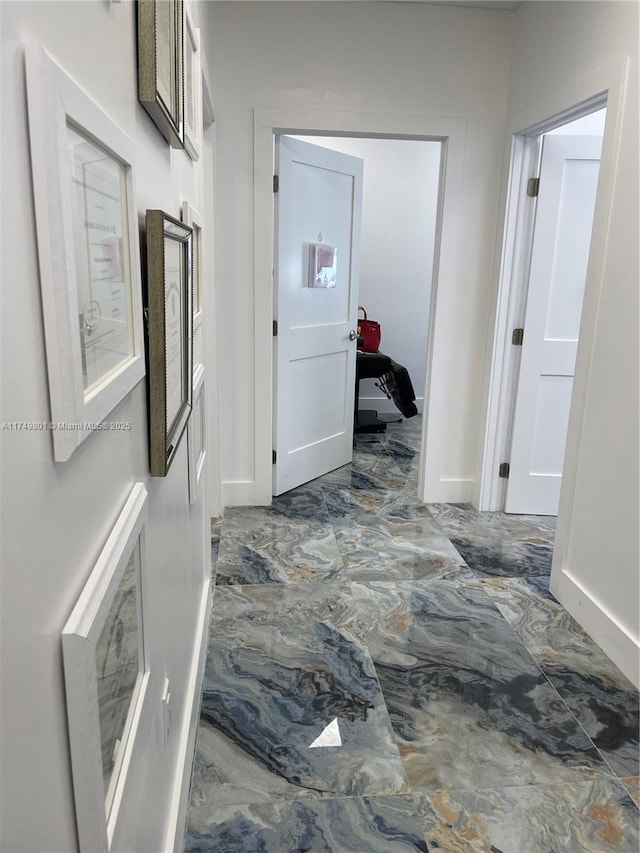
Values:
[(367, 420)]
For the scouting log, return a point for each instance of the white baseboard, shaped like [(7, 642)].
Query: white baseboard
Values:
[(241, 493), (176, 822), (612, 637), (448, 490), (385, 406)]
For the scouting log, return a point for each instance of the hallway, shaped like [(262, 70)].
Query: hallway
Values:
[(464, 709)]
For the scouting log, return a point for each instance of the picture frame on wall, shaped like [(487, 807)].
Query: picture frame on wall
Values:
[(197, 435), (161, 66), (107, 673), (170, 334), (82, 167), (192, 218), (192, 86)]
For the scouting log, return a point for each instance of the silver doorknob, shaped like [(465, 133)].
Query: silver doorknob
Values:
[(353, 335)]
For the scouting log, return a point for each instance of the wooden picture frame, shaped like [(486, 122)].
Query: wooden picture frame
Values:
[(161, 66), (82, 167), (197, 434), (192, 86), (107, 673), (170, 330)]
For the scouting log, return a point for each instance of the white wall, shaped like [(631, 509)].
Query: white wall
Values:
[(563, 54), (56, 517), (399, 206), (380, 61)]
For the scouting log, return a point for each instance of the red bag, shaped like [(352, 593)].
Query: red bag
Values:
[(370, 331)]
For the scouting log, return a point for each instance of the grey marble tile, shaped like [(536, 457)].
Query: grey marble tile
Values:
[(496, 544), (355, 825), (216, 530), (391, 548), (603, 700), (283, 663), (587, 817), (632, 784), (468, 705), (279, 544)]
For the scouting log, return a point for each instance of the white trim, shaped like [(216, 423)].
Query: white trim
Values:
[(512, 288), (179, 803), (54, 98), (585, 96), (451, 131), (191, 217), (197, 454), (607, 631), (192, 134), (96, 828)]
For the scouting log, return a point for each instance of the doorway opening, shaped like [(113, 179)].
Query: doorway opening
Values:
[(550, 213), (397, 262)]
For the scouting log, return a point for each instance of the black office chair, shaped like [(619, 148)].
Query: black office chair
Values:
[(394, 381)]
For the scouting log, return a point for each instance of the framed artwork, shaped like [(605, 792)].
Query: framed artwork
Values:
[(192, 86), (106, 675), (170, 329), (192, 218), (82, 167), (323, 265), (197, 435), (161, 66)]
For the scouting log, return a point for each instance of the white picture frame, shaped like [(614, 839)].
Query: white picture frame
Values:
[(197, 435), (192, 76), (80, 258), (97, 799), (192, 218)]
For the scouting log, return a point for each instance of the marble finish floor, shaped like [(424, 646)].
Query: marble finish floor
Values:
[(387, 676)]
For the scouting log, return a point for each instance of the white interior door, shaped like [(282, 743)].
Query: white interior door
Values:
[(318, 208), (560, 252)]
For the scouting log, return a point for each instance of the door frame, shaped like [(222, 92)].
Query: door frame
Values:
[(603, 91), (269, 123)]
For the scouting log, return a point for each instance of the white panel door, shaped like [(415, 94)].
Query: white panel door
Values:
[(318, 203), (560, 253)]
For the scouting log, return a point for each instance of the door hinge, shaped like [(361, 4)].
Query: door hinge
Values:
[(275, 328), (533, 187), (503, 470), (276, 183), (517, 337), (274, 457)]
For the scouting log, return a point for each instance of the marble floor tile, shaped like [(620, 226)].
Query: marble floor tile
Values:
[(355, 825), (280, 545), (603, 700), (468, 705), (216, 530), (632, 785), (428, 636), (284, 663), (495, 544), (586, 817), (377, 548)]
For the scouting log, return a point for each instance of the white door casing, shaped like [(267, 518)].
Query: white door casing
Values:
[(559, 258), (318, 201)]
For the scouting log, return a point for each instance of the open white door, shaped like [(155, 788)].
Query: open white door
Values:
[(560, 253), (318, 208)]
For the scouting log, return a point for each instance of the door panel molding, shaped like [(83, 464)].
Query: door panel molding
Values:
[(447, 130)]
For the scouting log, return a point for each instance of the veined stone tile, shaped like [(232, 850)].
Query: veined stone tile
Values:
[(603, 700), (468, 705), (494, 544), (377, 548), (283, 664), (587, 817), (371, 824)]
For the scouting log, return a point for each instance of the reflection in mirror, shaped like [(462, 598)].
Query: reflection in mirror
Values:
[(117, 667)]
